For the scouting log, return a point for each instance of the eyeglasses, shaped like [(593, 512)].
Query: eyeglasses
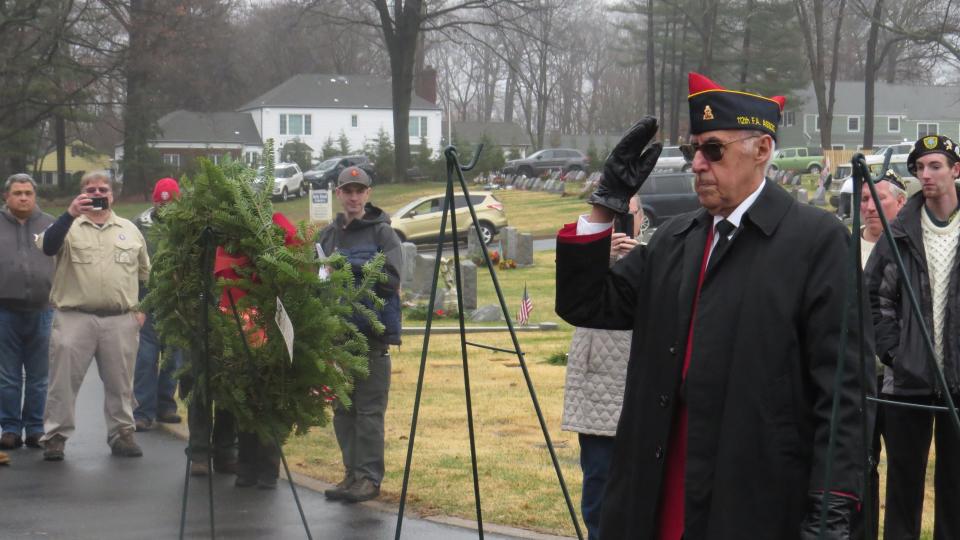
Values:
[(712, 150), (92, 190)]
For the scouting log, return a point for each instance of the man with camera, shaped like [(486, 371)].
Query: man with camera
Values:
[(101, 263)]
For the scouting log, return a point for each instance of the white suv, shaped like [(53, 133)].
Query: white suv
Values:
[(287, 181), (671, 160)]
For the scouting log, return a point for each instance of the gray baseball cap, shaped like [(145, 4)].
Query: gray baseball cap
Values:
[(353, 175)]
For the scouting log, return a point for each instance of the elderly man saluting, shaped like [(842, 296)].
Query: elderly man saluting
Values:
[(101, 261), (736, 315)]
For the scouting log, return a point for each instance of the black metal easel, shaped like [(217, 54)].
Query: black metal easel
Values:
[(454, 168)]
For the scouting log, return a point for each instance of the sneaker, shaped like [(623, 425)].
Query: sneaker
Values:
[(53, 448), (199, 468), (336, 492), (245, 481), (170, 417), (10, 441), (125, 446), (33, 440), (361, 490), (144, 424)]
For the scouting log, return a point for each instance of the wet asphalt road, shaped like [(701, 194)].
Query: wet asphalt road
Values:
[(94, 496)]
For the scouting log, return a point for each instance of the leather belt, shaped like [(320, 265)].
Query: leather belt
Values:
[(99, 312)]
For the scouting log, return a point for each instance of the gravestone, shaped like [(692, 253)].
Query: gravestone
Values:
[(473, 244), (409, 253), (581, 175), (802, 196), (487, 314), (524, 250), (509, 237), (548, 185), (423, 274), (468, 275), (538, 186)]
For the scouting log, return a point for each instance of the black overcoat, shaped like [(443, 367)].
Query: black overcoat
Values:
[(758, 391)]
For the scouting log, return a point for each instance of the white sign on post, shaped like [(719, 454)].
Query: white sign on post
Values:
[(285, 326), (321, 205)]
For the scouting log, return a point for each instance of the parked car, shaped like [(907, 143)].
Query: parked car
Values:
[(842, 188), (287, 181), (671, 160), (798, 160), (665, 195), (904, 147), (549, 159), (419, 220), (328, 170)]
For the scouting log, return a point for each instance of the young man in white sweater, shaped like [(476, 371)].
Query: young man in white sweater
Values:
[(927, 234)]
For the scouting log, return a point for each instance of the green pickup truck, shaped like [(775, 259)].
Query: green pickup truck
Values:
[(808, 160)]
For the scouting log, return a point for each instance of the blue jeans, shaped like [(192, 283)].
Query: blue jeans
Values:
[(153, 387), (596, 451), (24, 345)]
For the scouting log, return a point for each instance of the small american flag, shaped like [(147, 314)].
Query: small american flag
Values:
[(526, 306)]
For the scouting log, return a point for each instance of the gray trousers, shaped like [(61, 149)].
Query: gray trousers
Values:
[(360, 429), (75, 340)]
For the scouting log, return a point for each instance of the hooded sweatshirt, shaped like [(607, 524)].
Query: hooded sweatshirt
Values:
[(26, 273), (359, 241)]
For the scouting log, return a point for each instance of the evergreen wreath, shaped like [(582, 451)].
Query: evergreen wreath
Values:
[(268, 394)]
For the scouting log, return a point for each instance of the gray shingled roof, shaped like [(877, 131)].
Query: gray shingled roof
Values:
[(201, 127), (321, 91), (502, 133), (914, 102)]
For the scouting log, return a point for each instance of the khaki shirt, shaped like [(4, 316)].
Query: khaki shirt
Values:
[(98, 268)]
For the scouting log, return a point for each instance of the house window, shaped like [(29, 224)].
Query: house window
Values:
[(853, 124), (893, 124), (924, 129), (295, 124), (49, 178), (75, 151), (837, 147), (418, 126), (215, 158), (789, 118), (811, 122), (353, 120), (172, 159), (252, 158)]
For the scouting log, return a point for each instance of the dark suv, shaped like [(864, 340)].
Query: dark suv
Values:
[(666, 195), (328, 170), (546, 160)]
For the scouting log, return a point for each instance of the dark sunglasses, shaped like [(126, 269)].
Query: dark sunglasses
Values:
[(712, 150)]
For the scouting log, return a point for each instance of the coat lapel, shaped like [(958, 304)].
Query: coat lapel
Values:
[(691, 260)]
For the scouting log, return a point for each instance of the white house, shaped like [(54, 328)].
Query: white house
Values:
[(313, 107)]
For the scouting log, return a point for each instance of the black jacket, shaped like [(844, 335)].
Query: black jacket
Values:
[(900, 342), (760, 383)]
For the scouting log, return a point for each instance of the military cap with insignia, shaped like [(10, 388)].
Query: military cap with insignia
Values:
[(714, 107), (932, 144), (894, 178)]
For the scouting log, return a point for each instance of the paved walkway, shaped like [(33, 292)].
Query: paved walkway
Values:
[(94, 496)]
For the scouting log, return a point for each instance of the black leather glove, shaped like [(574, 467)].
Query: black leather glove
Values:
[(627, 166), (840, 511)]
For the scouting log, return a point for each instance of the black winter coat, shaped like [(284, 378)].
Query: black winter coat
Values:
[(900, 342), (760, 382)]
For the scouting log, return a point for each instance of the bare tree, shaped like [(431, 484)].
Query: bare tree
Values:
[(814, 37)]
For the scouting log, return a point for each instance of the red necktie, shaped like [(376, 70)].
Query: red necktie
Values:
[(671, 492)]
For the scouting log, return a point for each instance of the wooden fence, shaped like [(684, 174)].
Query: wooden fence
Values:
[(838, 157)]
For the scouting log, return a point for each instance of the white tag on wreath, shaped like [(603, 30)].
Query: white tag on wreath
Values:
[(285, 326), (323, 272)]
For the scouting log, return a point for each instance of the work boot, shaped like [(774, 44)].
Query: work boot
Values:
[(53, 448), (143, 424), (225, 465), (169, 417), (267, 482), (4, 458), (125, 446), (10, 441), (33, 440), (199, 468), (361, 490), (336, 492)]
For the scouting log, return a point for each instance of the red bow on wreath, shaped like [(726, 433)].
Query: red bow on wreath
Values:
[(224, 267)]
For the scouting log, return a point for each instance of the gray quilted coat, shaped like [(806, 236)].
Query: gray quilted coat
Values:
[(596, 375)]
